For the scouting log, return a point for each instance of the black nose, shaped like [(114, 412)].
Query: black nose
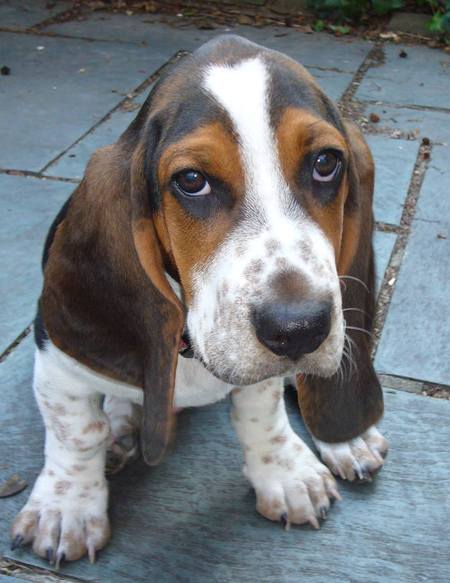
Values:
[(294, 328)]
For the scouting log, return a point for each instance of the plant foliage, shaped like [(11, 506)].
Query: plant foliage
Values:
[(341, 11)]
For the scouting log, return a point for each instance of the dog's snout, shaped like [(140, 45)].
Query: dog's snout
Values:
[(294, 328)]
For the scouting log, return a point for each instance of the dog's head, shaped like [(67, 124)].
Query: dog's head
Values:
[(249, 169), (238, 179)]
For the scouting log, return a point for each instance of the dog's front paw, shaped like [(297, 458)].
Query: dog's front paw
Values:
[(291, 484), (65, 517), (356, 459)]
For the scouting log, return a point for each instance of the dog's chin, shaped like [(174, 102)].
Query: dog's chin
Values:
[(284, 368)]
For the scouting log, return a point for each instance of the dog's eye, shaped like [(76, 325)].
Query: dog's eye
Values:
[(326, 167), (192, 183)]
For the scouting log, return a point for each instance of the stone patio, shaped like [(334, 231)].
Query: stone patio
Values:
[(75, 86)]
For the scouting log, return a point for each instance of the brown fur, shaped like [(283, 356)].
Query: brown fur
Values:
[(342, 407)]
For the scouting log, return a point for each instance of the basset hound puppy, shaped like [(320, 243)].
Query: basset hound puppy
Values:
[(231, 222)]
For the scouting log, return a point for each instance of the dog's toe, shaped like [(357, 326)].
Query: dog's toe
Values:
[(355, 460)]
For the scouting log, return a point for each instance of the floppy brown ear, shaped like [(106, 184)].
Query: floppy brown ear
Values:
[(343, 406), (106, 300)]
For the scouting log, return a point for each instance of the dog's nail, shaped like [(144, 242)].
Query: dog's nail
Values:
[(17, 542), (285, 521), (60, 558), (314, 522), (91, 553), (49, 555), (335, 494), (323, 512)]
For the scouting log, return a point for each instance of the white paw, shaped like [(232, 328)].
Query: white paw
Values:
[(356, 459), (65, 517), (291, 484)]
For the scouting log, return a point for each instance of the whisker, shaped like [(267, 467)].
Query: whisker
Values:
[(359, 330), (355, 279), (355, 310)]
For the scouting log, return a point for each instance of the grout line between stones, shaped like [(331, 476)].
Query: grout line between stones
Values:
[(144, 85), (391, 274), (27, 572), (50, 34), (15, 343), (32, 174), (405, 106), (374, 57), (414, 386), (388, 228)]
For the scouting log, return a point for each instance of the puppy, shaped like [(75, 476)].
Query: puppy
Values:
[(231, 222)]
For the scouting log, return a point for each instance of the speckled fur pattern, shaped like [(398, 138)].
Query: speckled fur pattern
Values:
[(66, 514), (290, 482), (356, 459), (274, 237)]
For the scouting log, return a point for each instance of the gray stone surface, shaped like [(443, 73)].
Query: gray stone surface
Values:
[(410, 22), (193, 517), (422, 78), (27, 207), (332, 82), (383, 244), (48, 101), (394, 164), (73, 163), (422, 123), (26, 13), (416, 337), (10, 579), (143, 29), (312, 50)]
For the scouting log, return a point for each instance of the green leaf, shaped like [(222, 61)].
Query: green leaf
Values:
[(340, 29), (434, 24), (319, 25)]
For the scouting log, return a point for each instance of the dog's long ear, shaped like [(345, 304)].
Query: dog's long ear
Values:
[(106, 300), (345, 405)]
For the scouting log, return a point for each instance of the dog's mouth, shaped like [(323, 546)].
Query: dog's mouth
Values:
[(185, 348)]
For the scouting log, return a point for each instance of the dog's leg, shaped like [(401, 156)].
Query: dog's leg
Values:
[(66, 514), (290, 482), (124, 419)]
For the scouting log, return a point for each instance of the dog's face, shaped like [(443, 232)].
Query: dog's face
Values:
[(251, 170)]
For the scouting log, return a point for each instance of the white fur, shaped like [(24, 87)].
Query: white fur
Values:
[(67, 509), (357, 458), (288, 479), (274, 233), (194, 385)]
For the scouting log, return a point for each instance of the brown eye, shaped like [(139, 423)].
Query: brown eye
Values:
[(326, 167), (192, 183)]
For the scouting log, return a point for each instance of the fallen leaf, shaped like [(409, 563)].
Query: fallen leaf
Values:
[(12, 486)]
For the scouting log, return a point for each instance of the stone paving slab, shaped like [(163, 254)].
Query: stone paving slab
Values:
[(27, 207), (416, 336), (193, 517), (383, 244), (26, 13), (333, 83), (56, 94), (10, 579), (422, 78), (312, 50), (74, 161), (394, 164), (431, 124)]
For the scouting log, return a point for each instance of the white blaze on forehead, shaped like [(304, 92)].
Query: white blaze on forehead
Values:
[(242, 90)]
